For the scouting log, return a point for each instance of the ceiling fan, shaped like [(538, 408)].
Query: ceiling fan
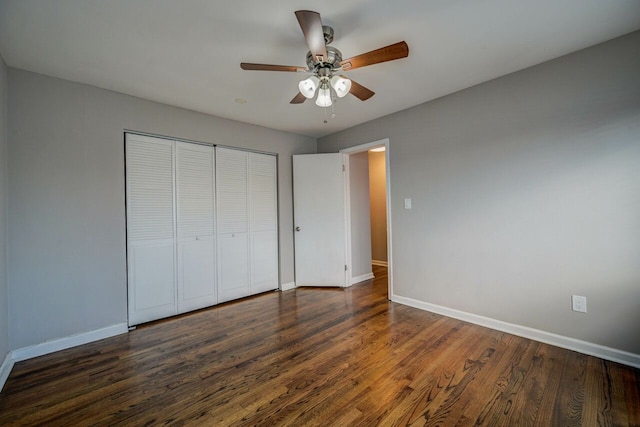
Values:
[(325, 64)]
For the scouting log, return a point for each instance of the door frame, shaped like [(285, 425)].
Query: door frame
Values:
[(359, 149)]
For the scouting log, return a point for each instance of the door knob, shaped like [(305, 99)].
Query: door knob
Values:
[(297, 228)]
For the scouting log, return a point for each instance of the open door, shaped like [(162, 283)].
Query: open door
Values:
[(319, 220)]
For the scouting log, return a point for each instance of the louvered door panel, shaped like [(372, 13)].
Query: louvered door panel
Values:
[(195, 219), (151, 241), (232, 224), (150, 188), (263, 222), (231, 190), (195, 183), (262, 178)]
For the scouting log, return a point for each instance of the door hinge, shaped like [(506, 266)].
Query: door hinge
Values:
[(343, 168), (345, 267)]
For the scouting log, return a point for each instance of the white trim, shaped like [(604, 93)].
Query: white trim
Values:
[(287, 286), (360, 278), (346, 184), (47, 347), (379, 263), (365, 147), (5, 369), (387, 158), (591, 349)]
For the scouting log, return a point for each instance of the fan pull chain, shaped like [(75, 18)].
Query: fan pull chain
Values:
[(333, 111)]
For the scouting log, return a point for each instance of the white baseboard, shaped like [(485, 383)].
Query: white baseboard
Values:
[(47, 347), (380, 263), (5, 369), (287, 286), (361, 278), (580, 346)]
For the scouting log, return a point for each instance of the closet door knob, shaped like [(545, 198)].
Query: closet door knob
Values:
[(297, 228)]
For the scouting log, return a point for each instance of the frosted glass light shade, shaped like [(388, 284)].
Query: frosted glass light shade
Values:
[(341, 85), (324, 97), (308, 86)]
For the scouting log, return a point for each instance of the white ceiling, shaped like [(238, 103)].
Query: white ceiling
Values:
[(187, 52)]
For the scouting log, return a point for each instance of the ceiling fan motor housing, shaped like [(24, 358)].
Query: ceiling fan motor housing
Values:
[(334, 56)]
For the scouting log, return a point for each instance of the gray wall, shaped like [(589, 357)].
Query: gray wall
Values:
[(526, 190), (4, 316), (359, 211), (66, 198)]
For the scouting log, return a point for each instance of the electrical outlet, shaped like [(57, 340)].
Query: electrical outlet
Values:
[(579, 303)]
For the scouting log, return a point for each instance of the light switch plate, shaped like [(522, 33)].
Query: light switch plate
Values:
[(407, 203)]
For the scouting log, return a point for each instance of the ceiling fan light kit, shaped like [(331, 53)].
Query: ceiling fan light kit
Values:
[(340, 85), (325, 62)]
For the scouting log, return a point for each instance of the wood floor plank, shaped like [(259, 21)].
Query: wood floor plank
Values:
[(429, 384), (631, 381), (544, 381), (319, 357), (486, 394), (567, 411)]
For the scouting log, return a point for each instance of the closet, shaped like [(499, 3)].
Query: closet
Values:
[(201, 226)]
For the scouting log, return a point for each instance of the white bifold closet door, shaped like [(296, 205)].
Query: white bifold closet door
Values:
[(151, 242), (201, 226), (170, 227), (195, 188), (247, 223)]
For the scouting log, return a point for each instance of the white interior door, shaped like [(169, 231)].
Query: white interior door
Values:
[(319, 209)]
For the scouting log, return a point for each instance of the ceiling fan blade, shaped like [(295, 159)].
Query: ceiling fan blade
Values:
[(270, 67), (359, 91), (311, 26), (298, 99), (384, 54)]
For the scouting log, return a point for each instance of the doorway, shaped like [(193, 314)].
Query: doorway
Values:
[(368, 210)]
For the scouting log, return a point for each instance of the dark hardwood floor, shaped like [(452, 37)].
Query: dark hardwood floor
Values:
[(319, 357)]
